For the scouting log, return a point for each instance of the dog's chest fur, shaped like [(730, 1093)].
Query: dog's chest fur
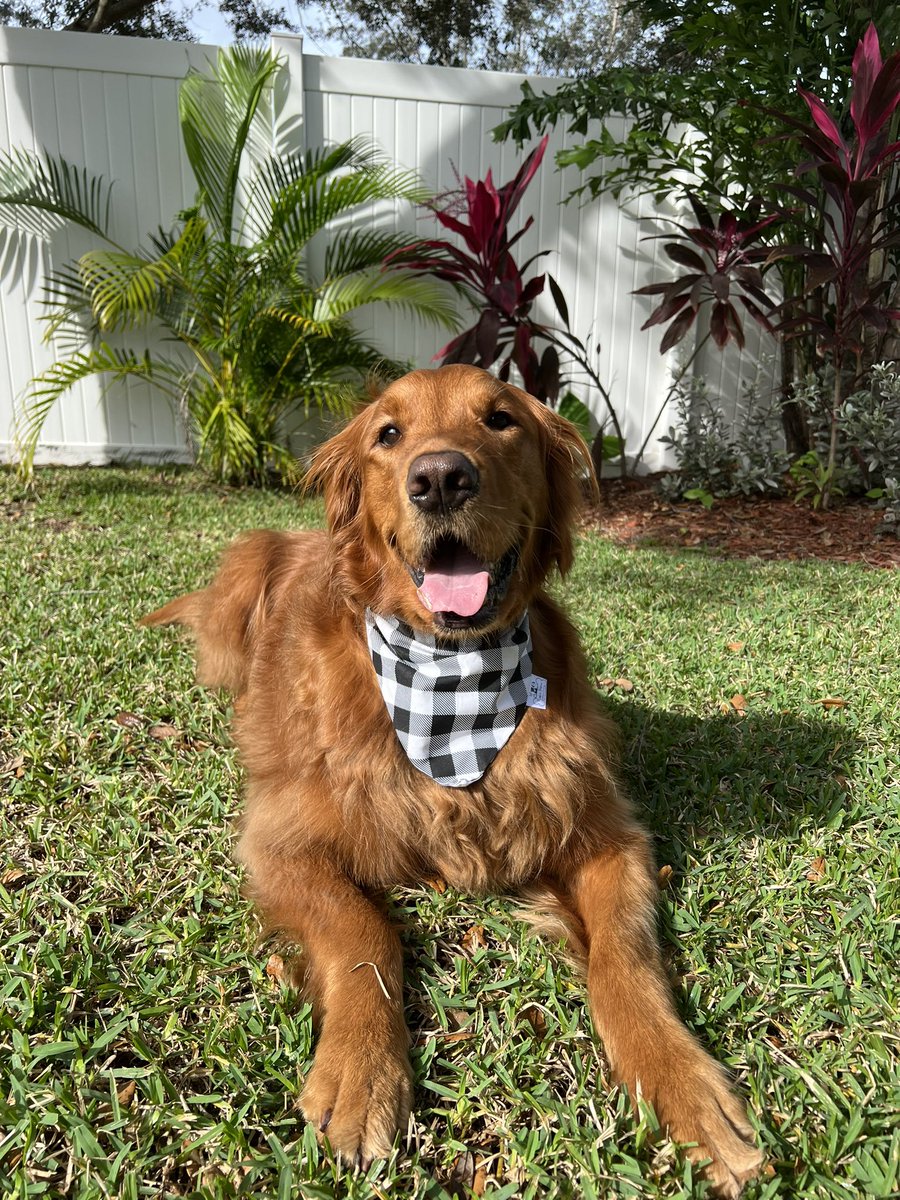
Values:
[(347, 780)]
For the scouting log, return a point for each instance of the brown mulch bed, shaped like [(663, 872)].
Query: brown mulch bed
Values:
[(633, 512)]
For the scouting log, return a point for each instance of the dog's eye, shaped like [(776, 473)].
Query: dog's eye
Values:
[(499, 420), (389, 436)]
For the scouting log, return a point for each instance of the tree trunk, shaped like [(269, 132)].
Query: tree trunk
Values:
[(836, 399), (793, 418)]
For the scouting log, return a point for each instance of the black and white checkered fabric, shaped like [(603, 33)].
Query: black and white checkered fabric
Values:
[(454, 707)]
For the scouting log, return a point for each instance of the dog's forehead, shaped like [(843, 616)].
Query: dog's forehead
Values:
[(444, 397)]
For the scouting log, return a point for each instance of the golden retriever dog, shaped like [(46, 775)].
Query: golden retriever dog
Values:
[(449, 499)]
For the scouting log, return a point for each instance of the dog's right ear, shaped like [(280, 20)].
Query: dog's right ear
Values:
[(336, 470)]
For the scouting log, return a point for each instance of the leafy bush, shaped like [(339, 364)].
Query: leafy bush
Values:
[(717, 457), (260, 336), (867, 456)]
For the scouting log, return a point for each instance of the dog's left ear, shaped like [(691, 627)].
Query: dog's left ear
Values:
[(570, 478), (336, 470)]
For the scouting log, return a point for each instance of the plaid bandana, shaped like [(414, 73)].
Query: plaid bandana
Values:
[(453, 707)]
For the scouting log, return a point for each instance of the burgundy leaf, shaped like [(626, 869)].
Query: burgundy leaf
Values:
[(750, 276), (862, 190), (486, 332), (886, 155), (866, 66), (874, 316), (666, 311), (733, 323), (675, 288), (794, 250), (701, 212), (758, 295), (529, 261), (483, 213), (803, 194), (559, 300), (466, 349), (549, 374), (758, 315), (705, 238), (720, 284), (462, 349), (465, 231), (883, 99), (521, 233), (727, 226), (749, 232), (685, 256), (718, 325), (505, 295), (532, 290), (820, 269), (513, 191), (824, 120), (677, 329), (654, 289), (834, 173)]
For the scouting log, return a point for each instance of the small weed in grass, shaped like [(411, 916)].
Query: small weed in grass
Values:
[(144, 1050)]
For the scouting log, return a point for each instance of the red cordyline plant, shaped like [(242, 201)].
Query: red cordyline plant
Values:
[(852, 205), (722, 265), (506, 334), (488, 273)]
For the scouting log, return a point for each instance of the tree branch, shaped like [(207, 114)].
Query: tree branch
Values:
[(101, 15)]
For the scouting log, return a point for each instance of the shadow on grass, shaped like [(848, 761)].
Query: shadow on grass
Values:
[(697, 779)]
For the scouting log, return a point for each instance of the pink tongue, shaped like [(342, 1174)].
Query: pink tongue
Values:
[(459, 586)]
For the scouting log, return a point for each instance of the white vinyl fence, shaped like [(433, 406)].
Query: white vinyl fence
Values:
[(109, 103)]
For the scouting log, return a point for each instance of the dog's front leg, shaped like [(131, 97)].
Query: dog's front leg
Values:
[(359, 1089), (649, 1049)]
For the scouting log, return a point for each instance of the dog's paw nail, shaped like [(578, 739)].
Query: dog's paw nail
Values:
[(365, 1161), (326, 1120)]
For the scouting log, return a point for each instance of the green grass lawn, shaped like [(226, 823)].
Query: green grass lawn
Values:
[(144, 1049)]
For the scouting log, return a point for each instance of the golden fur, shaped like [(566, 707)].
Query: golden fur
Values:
[(335, 812)]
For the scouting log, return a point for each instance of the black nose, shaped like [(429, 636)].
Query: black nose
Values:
[(441, 482)]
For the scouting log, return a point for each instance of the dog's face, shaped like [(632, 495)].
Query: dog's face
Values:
[(450, 497)]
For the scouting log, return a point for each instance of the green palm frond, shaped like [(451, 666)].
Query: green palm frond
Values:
[(67, 317), (306, 325), (218, 111), (276, 173), (42, 193), (46, 388), (358, 249), (426, 298), (125, 290), (309, 204)]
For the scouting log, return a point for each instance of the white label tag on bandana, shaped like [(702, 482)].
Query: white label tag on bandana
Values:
[(537, 692)]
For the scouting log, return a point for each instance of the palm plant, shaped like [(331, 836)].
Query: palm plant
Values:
[(263, 335)]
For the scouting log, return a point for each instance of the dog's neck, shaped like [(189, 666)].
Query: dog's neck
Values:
[(453, 705)]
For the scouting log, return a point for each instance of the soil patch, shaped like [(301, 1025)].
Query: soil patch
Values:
[(633, 512)]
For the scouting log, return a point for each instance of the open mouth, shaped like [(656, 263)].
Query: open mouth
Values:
[(458, 587)]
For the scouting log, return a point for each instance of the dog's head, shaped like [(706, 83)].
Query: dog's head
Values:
[(450, 498)]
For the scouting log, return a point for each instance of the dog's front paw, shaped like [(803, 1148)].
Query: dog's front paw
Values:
[(358, 1095), (701, 1111)]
